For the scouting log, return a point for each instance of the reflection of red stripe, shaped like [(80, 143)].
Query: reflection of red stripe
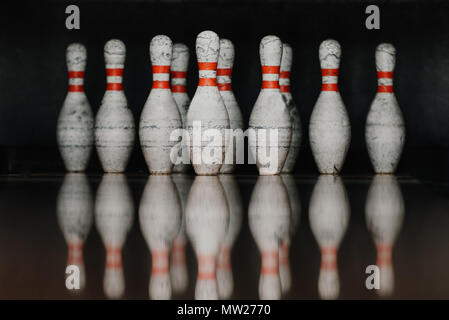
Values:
[(285, 88), (284, 74), (329, 87), (178, 74), (224, 86), (270, 69), (76, 88), (202, 259), (385, 74), (114, 72), (329, 72), (207, 82), (270, 84), (161, 85), (206, 275), (270, 270), (207, 65), (224, 72), (178, 88), (161, 69), (159, 270), (76, 74), (388, 89), (329, 258), (114, 87)]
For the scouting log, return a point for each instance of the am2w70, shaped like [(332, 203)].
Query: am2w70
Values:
[(246, 309)]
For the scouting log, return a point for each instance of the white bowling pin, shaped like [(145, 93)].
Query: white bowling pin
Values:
[(284, 84), (329, 216), (160, 116), (75, 127), (114, 212), (75, 216), (224, 71), (160, 220), (207, 118), (269, 222), (114, 124), (385, 129), (270, 118), (178, 267), (224, 268), (384, 212), (207, 216), (329, 128), (179, 66)]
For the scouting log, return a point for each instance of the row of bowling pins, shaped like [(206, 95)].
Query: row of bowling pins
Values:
[(171, 207), (214, 104)]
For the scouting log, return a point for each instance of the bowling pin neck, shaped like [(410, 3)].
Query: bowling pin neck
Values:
[(286, 65), (270, 263), (225, 63), (329, 80), (206, 267), (384, 254), (75, 254), (159, 262), (328, 258), (207, 74), (270, 77), (224, 258), (178, 81), (161, 76), (114, 78), (385, 81), (113, 257), (76, 81), (224, 79), (179, 65), (284, 81)]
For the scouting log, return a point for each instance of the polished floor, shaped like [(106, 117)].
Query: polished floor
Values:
[(238, 237)]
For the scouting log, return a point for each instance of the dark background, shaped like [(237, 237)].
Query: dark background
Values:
[(33, 74)]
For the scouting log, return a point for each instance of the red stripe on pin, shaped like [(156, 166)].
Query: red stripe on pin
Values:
[(329, 87), (178, 88), (387, 89), (114, 87), (76, 74), (224, 72), (284, 74), (161, 85), (271, 69), (76, 88), (114, 72), (161, 69), (329, 72), (385, 74), (207, 82), (285, 88), (224, 86), (178, 74), (270, 84), (207, 65)]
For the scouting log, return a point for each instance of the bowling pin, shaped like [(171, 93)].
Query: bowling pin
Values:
[(329, 216), (385, 129), (114, 125), (269, 222), (75, 127), (179, 66), (75, 216), (160, 116), (114, 211), (207, 218), (224, 71), (160, 220), (207, 118), (284, 253), (284, 84), (270, 124), (384, 213), (329, 128), (224, 268), (178, 267)]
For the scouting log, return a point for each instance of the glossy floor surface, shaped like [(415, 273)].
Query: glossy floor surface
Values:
[(239, 237)]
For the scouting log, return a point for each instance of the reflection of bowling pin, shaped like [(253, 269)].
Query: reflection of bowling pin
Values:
[(75, 215), (207, 118), (224, 71), (114, 125), (207, 216), (160, 219), (178, 268), (224, 269), (114, 212), (284, 253), (329, 216), (284, 83), (329, 128), (160, 116), (269, 220), (385, 130), (75, 130), (179, 66), (270, 117), (384, 215)]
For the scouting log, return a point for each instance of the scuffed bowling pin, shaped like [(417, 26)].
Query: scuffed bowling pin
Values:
[(114, 125), (329, 128), (160, 219), (75, 217), (75, 127), (329, 216), (160, 116), (224, 72), (270, 124), (284, 83), (207, 217), (385, 129), (179, 66), (384, 212), (269, 222), (114, 212), (207, 118)]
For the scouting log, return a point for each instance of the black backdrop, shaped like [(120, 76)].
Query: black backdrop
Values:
[(33, 76)]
